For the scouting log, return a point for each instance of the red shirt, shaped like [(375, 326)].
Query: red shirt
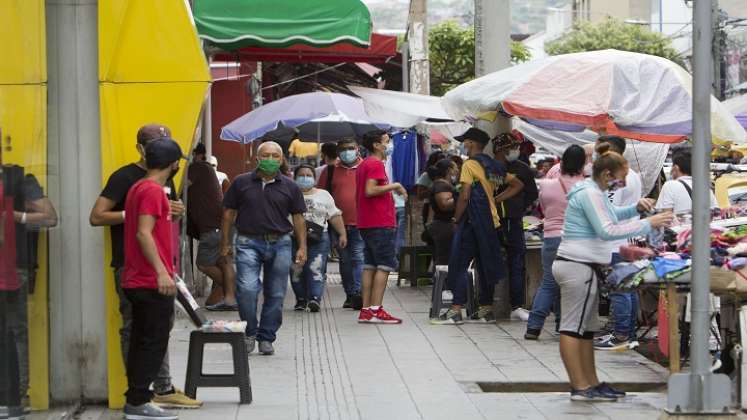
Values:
[(8, 275), (377, 211), (146, 197), (343, 190)]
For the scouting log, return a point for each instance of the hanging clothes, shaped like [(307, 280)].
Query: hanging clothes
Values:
[(404, 160)]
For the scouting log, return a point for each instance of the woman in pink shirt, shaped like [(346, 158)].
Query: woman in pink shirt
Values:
[(553, 200)]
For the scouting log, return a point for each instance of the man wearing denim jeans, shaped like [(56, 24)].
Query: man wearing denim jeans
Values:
[(340, 180), (259, 203), (376, 220)]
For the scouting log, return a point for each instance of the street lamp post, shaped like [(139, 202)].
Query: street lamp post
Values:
[(700, 391)]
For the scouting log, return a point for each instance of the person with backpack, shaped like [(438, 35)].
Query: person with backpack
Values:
[(476, 222), (340, 181)]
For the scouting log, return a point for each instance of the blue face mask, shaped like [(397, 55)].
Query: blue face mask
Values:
[(389, 149), (305, 182), (348, 157)]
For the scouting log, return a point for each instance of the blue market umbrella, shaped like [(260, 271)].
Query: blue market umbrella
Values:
[(319, 116)]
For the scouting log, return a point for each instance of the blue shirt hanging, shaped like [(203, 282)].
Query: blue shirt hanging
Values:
[(404, 160)]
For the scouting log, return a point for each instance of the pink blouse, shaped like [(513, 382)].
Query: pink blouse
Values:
[(553, 197)]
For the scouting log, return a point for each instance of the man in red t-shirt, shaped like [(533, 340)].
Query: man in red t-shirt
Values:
[(147, 279), (377, 224)]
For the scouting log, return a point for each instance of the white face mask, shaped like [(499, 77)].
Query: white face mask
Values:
[(512, 155)]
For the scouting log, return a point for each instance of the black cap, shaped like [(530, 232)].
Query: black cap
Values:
[(162, 152), (474, 134)]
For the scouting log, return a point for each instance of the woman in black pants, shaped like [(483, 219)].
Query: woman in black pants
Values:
[(442, 197)]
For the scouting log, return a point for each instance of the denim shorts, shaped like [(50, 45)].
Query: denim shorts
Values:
[(208, 251), (378, 253)]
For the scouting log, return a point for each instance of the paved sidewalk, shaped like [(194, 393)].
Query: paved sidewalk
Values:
[(327, 366)]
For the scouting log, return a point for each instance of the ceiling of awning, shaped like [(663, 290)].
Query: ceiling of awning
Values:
[(234, 24), (382, 48)]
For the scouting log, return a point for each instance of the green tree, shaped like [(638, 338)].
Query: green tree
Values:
[(612, 33), (451, 51)]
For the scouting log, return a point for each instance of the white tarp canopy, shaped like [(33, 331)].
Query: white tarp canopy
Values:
[(407, 109), (736, 105)]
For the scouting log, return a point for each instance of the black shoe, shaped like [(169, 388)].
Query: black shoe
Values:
[(356, 302), (531, 334), (313, 305), (300, 305), (348, 303)]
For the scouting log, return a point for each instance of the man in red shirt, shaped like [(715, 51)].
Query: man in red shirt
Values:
[(340, 180), (147, 279), (377, 224)]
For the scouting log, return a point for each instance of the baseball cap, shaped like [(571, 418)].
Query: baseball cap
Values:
[(213, 160), (150, 132), (474, 134), (162, 152)]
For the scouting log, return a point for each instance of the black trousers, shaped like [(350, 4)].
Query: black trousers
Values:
[(10, 394), (149, 341)]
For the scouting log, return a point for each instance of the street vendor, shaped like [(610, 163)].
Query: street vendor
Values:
[(592, 223), (677, 194)]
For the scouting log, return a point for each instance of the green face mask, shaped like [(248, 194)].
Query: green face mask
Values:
[(269, 166)]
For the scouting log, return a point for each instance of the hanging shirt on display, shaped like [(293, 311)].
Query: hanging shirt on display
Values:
[(404, 160)]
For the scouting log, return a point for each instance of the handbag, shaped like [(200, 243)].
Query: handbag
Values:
[(314, 232)]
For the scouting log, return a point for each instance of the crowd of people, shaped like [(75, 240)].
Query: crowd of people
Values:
[(275, 225)]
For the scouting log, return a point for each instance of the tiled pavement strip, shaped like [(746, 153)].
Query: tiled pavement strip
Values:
[(327, 366)]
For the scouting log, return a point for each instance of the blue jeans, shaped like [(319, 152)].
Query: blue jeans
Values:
[(274, 260), (399, 241), (512, 230), (624, 308), (548, 294), (465, 248), (310, 283), (351, 261)]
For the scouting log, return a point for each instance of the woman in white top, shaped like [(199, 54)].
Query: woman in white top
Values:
[(321, 211)]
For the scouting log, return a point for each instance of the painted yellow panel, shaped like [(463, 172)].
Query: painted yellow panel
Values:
[(22, 31), (149, 41), (125, 107), (23, 118)]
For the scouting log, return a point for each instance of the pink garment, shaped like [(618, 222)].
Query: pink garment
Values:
[(554, 172), (553, 197)]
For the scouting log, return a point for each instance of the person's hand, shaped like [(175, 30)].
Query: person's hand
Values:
[(645, 204), (401, 191), (225, 251), (177, 208), (661, 219), (343, 241), (301, 256), (166, 285)]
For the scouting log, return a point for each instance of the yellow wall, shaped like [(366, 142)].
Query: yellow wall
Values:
[(151, 70), (23, 119)]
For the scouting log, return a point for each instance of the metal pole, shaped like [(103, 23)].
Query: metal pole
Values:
[(207, 123), (405, 67), (700, 391)]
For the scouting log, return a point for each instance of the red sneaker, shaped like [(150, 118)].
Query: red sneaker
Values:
[(365, 316), (383, 317)]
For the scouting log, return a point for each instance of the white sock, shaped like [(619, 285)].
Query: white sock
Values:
[(375, 308)]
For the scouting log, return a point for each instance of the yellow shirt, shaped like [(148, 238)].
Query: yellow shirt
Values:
[(303, 149), (473, 172)]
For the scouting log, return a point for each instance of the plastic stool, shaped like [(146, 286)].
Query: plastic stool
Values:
[(439, 281), (413, 255), (240, 376)]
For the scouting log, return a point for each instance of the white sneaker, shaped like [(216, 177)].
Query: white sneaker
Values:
[(520, 314)]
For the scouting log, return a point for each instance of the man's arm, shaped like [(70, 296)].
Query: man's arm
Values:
[(373, 189), (299, 229), (40, 212), (102, 214), (461, 204), (145, 224), (514, 187), (229, 218)]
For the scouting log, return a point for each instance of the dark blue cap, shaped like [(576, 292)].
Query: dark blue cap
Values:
[(162, 152)]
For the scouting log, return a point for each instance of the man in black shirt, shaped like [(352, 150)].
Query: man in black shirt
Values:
[(265, 206), (506, 150), (109, 211)]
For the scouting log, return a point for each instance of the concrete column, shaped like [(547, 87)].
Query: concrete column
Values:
[(493, 53), (76, 289), (417, 38)]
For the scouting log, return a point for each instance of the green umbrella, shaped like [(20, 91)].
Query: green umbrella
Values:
[(234, 24)]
